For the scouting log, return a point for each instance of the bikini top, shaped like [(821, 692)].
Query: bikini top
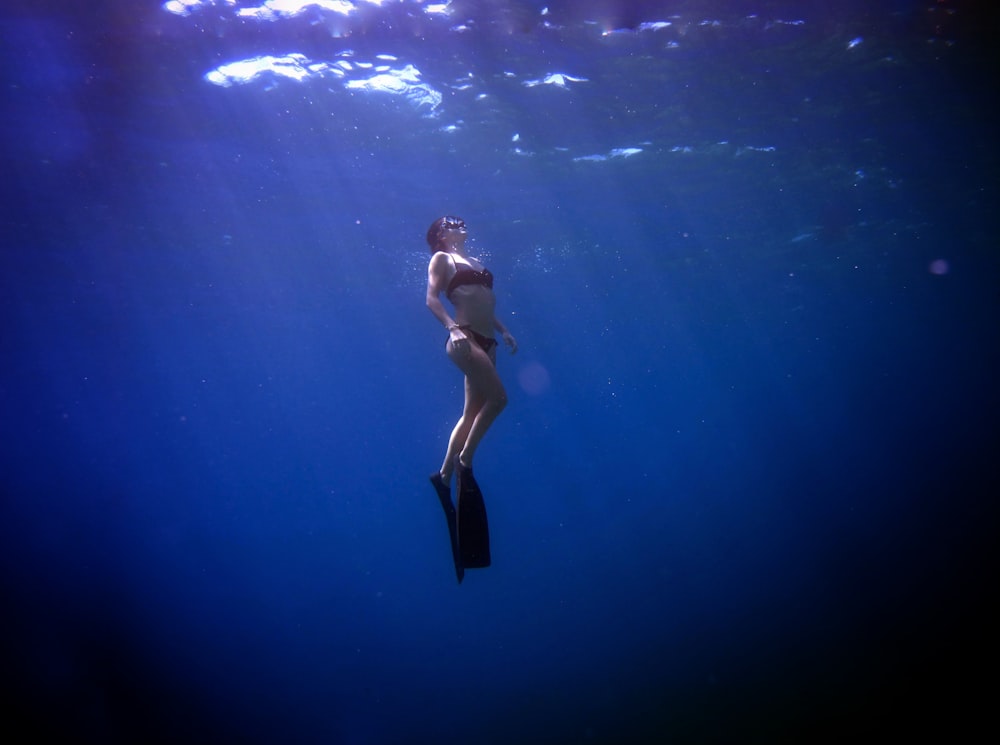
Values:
[(466, 275)]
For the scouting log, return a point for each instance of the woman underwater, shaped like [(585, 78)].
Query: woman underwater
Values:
[(468, 285)]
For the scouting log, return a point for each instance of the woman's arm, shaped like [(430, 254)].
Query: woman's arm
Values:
[(437, 281)]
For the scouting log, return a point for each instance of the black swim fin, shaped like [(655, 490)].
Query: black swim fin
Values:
[(473, 527), (444, 495)]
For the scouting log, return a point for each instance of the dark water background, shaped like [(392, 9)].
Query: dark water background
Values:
[(743, 490)]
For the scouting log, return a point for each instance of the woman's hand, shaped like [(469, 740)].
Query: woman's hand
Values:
[(510, 341), (459, 341)]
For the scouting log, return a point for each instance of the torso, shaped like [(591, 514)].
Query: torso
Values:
[(470, 290)]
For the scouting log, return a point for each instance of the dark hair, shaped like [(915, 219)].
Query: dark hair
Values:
[(435, 233)]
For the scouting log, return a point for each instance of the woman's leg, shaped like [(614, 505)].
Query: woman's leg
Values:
[(460, 433), (485, 398)]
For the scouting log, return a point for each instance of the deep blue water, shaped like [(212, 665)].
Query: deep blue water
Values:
[(744, 487)]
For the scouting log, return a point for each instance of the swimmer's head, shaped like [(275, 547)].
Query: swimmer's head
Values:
[(439, 228)]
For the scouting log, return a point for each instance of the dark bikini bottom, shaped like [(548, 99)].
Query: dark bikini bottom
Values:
[(486, 343)]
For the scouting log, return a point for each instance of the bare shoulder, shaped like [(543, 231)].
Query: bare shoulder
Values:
[(439, 271), (440, 263)]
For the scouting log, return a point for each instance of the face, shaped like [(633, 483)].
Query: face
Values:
[(453, 223), (454, 230)]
